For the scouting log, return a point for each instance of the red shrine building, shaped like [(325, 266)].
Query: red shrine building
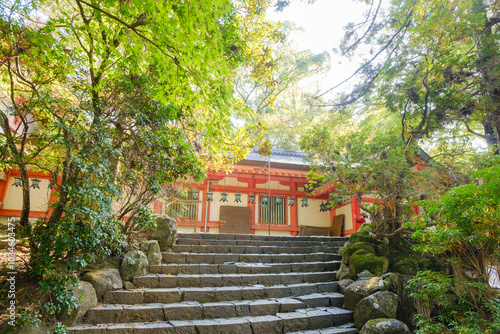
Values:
[(259, 195)]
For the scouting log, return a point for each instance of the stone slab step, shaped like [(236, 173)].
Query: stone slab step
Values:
[(215, 294), (240, 249), (217, 258), (230, 236), (244, 268), (193, 310), (300, 320), (278, 243), (217, 280)]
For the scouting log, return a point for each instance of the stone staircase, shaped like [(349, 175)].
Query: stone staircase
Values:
[(231, 283)]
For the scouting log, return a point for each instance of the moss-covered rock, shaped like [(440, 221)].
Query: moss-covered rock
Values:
[(366, 227), (85, 298), (385, 326), (359, 237), (134, 264), (152, 250), (165, 232), (400, 248), (382, 249), (358, 290), (382, 304), (406, 267), (104, 280), (364, 260), (346, 255)]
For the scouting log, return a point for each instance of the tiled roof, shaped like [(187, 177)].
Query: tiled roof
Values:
[(281, 156)]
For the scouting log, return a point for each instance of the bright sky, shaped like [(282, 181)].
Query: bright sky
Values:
[(323, 23)]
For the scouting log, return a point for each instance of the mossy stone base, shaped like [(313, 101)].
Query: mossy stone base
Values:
[(406, 267), (364, 260), (346, 255), (359, 237)]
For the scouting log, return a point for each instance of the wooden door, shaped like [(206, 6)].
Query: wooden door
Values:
[(234, 219)]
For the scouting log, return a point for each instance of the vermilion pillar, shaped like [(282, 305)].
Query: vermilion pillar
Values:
[(294, 220), (251, 185)]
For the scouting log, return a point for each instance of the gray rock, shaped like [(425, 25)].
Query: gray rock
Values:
[(385, 326), (165, 232), (104, 280), (127, 285), (343, 272), (152, 250), (85, 298), (134, 264), (344, 283), (365, 274), (361, 289), (382, 304)]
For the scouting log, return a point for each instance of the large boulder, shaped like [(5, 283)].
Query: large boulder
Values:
[(359, 237), (152, 250), (85, 298), (165, 232), (135, 263), (382, 304), (364, 260), (406, 267), (385, 326), (361, 289), (104, 280), (346, 254)]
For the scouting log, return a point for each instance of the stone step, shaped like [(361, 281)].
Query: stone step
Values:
[(253, 249), (193, 310), (244, 268), (215, 294), (300, 320), (230, 236), (278, 243), (344, 329), (217, 258), (218, 280)]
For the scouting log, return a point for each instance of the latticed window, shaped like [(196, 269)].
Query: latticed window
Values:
[(273, 213), (183, 208)]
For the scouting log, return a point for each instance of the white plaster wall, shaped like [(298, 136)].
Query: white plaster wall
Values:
[(274, 185), (39, 198), (346, 210), (232, 181), (311, 216)]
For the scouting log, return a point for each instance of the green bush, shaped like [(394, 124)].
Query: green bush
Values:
[(462, 227)]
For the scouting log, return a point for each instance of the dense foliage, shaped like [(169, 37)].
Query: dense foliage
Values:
[(114, 100), (462, 228)]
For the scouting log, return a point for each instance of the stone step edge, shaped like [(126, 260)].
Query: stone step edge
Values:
[(240, 249), (220, 258), (194, 310), (240, 267), (215, 294), (233, 236), (219, 280), (301, 319), (256, 243)]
